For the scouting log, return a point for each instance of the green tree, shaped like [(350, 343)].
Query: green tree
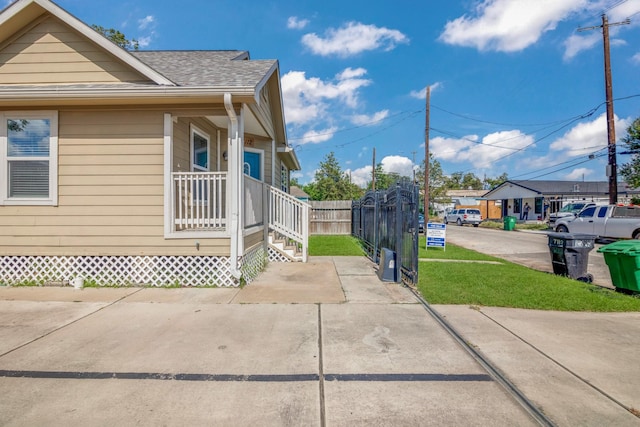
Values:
[(117, 37), (631, 170), (331, 183), (437, 182), (494, 182), (384, 179), (293, 182), (463, 181)]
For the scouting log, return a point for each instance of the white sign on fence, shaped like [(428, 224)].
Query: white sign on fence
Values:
[(436, 233)]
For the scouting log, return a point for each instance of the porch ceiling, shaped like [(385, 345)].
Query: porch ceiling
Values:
[(251, 123)]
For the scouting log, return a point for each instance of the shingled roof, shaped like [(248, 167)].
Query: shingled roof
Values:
[(217, 68)]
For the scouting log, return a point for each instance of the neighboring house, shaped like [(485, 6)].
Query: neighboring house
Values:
[(162, 168), (469, 199), (299, 194), (513, 195)]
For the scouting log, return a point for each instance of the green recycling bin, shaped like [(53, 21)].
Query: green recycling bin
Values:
[(623, 260), (509, 223)]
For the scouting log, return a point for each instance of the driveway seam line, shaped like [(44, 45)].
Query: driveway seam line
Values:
[(323, 421), (602, 392), (510, 389), (68, 324)]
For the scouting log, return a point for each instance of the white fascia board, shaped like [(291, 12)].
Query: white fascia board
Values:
[(292, 155), (265, 79), (91, 34), (61, 92)]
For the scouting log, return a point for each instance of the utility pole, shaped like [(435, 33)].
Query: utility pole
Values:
[(612, 167), (426, 157)]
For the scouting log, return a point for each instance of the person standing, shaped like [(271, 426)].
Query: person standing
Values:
[(525, 211)]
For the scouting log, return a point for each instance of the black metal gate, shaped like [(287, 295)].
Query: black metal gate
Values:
[(389, 219)]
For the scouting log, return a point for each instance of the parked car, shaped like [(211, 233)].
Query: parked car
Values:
[(420, 223), (464, 216), (568, 210), (604, 221)]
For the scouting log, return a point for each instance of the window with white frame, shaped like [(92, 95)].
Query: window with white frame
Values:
[(29, 158), (284, 178), (200, 150)]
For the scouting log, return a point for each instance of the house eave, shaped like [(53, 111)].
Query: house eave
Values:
[(61, 94), (290, 153)]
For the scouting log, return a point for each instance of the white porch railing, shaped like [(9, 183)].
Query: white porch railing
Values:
[(199, 201), (289, 217)]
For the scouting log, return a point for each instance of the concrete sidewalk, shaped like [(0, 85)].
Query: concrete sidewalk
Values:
[(323, 343)]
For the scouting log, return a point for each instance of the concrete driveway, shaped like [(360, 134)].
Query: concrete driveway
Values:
[(324, 343)]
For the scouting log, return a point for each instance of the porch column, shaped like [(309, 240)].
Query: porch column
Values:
[(235, 195), (168, 181)]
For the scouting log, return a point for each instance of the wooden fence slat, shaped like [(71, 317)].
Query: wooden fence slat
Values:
[(330, 217)]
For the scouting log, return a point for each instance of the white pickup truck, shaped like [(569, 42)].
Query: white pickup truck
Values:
[(604, 221)]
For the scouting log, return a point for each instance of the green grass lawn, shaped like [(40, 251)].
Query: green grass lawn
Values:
[(509, 285), (493, 285), (334, 245)]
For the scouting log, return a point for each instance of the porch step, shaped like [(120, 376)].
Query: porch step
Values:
[(280, 245)]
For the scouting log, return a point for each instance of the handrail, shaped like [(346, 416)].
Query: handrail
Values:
[(289, 217)]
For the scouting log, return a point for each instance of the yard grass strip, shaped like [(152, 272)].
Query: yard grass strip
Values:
[(334, 245), (448, 277), (511, 285)]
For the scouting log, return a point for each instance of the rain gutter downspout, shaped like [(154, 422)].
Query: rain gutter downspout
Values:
[(234, 181)]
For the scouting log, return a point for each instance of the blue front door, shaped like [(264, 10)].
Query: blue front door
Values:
[(253, 164)]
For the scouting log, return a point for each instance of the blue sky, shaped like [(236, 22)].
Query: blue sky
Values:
[(515, 88)]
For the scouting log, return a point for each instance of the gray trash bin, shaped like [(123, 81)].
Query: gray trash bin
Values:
[(570, 254), (387, 265)]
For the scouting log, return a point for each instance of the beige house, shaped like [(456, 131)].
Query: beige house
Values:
[(161, 168)]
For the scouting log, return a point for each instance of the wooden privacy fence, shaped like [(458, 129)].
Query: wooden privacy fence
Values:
[(330, 217)]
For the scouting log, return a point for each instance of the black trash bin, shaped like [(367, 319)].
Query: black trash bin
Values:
[(570, 254)]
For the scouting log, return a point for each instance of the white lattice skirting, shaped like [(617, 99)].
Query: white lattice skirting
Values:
[(253, 263), (277, 256), (125, 270)]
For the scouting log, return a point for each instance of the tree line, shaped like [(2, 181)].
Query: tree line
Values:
[(332, 183)]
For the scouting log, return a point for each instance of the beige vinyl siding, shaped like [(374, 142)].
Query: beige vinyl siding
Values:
[(182, 143), (51, 52), (111, 193), (253, 239)]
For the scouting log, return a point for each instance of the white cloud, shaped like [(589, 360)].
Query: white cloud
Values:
[(315, 137), (144, 41), (360, 177), (422, 93), (353, 38), (369, 120), (145, 22), (636, 58), (482, 154), (576, 44), (294, 23), (587, 137), (623, 11), (578, 174), (308, 99), (508, 25), (397, 164)]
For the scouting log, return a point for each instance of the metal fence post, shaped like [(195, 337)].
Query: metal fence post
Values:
[(399, 224)]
